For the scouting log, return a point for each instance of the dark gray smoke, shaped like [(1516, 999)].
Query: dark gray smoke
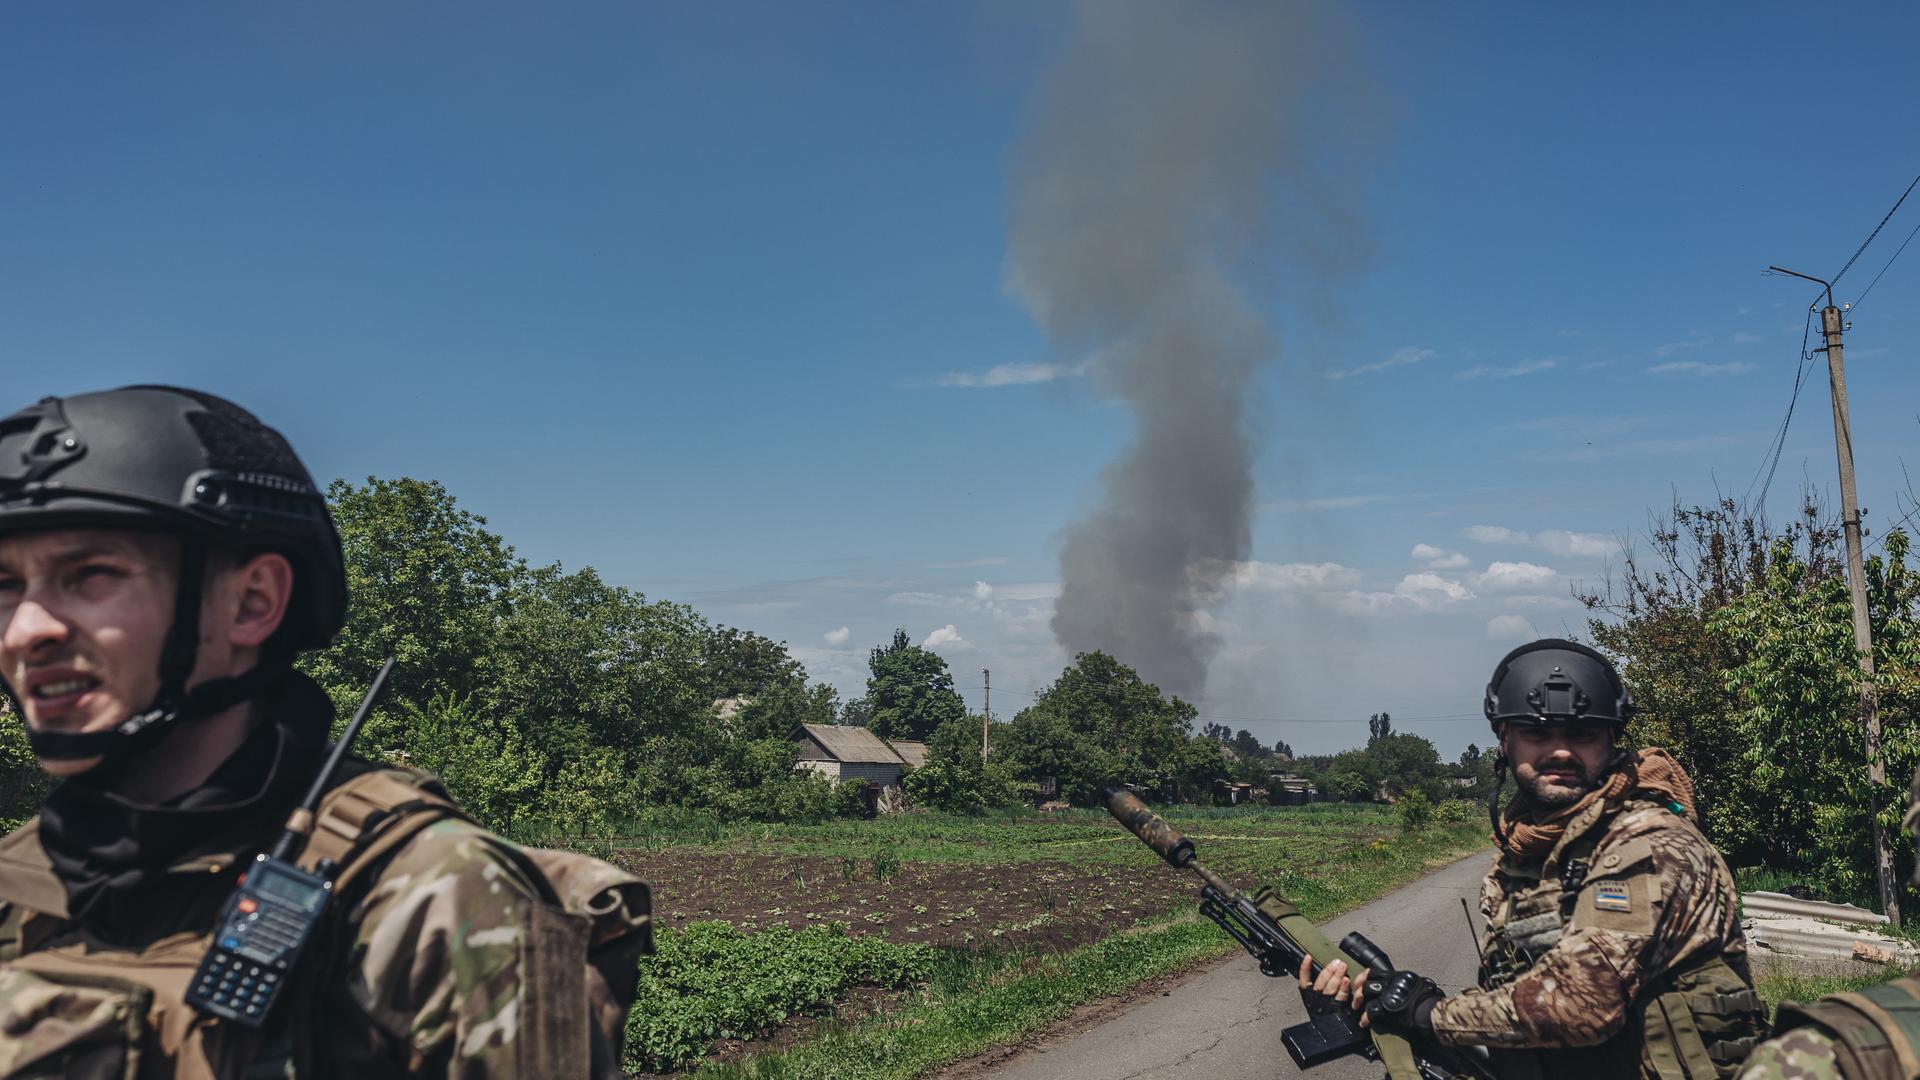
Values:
[(1160, 145)]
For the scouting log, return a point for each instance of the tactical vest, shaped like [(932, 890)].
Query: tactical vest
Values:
[(1876, 1032), (72, 1006), (1696, 1022)]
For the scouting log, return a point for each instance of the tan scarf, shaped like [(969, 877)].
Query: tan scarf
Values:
[(1650, 773)]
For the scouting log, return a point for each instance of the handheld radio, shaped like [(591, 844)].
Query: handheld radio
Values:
[(274, 912)]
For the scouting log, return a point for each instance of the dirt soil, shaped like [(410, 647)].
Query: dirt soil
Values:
[(1049, 905)]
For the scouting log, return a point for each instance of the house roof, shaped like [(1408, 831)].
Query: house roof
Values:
[(850, 744), (913, 753)]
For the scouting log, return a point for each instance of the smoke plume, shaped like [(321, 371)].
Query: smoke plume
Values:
[(1143, 193)]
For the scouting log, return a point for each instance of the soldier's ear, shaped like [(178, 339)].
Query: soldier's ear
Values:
[(262, 590)]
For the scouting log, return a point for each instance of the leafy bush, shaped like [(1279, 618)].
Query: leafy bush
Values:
[(1415, 811), (711, 981)]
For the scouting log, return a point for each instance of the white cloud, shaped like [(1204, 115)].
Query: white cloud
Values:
[(1334, 502), (969, 564), (1514, 575), (1510, 628), (1495, 534), (1293, 576), (1746, 339), (1524, 367), (1439, 558), (838, 637), (946, 639), (1401, 357), (1564, 543), (1431, 589), (923, 599), (1673, 347), (1701, 368), (982, 591), (1014, 375)]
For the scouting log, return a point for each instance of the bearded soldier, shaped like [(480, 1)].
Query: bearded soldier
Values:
[(1613, 948), (1871, 1034), (163, 557)]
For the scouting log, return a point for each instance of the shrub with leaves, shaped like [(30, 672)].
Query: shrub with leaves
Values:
[(710, 980)]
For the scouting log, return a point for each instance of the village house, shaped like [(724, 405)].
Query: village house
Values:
[(854, 753)]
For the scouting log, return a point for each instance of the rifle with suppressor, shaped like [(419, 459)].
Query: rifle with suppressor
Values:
[(1278, 936)]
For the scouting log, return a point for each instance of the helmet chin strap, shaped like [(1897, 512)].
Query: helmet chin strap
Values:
[(174, 703)]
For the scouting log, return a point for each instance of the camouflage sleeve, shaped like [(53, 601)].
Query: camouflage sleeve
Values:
[(1801, 1054), (1656, 893), (440, 955)]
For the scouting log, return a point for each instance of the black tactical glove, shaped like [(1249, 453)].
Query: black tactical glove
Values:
[(1318, 1003), (1401, 1002)]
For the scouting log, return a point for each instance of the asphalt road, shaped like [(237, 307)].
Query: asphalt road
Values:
[(1225, 1023)]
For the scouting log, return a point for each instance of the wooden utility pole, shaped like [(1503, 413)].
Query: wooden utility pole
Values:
[(986, 709), (1832, 324)]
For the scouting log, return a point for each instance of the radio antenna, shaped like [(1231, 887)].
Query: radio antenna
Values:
[(300, 822)]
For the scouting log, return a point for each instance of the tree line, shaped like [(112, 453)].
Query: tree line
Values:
[(1735, 636)]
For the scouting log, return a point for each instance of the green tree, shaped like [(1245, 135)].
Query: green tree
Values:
[(955, 778), (22, 784), (909, 691), (1247, 746), (1379, 726), (1654, 618), (429, 585), (1100, 724), (1797, 689), (1406, 763), (1218, 732)]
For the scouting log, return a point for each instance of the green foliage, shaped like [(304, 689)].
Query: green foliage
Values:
[(1415, 811), (909, 691), (1101, 724), (551, 700), (955, 778), (711, 981), (1738, 645), (1798, 684), (22, 784)]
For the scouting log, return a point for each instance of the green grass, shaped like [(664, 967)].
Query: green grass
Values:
[(974, 1001), (1787, 987)]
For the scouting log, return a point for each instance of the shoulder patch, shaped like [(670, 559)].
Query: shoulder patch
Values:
[(1612, 896)]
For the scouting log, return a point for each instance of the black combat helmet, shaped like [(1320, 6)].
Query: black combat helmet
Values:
[(1557, 682), (191, 464)]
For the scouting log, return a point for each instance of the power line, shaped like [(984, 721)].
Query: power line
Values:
[(1883, 270), (1875, 232), (1780, 437)]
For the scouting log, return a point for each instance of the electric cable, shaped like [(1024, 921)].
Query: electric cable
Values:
[(1883, 270), (1780, 438), (1875, 232)]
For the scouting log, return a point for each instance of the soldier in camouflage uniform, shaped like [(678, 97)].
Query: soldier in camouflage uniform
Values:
[(1613, 948), (163, 557), (1871, 1034)]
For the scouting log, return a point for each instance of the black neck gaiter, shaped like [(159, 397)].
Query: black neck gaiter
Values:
[(112, 854)]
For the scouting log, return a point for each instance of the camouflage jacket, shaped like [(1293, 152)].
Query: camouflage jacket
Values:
[(450, 957), (1867, 1034), (1800, 1054), (1579, 942)]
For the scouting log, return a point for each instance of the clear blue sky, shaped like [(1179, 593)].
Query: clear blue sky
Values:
[(678, 292)]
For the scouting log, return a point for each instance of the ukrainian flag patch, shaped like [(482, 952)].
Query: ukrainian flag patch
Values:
[(1612, 896)]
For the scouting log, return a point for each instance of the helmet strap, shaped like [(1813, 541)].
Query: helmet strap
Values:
[(174, 703), (1493, 798)]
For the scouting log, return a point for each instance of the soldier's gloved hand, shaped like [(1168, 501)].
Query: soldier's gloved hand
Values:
[(1327, 991), (1401, 1002)]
